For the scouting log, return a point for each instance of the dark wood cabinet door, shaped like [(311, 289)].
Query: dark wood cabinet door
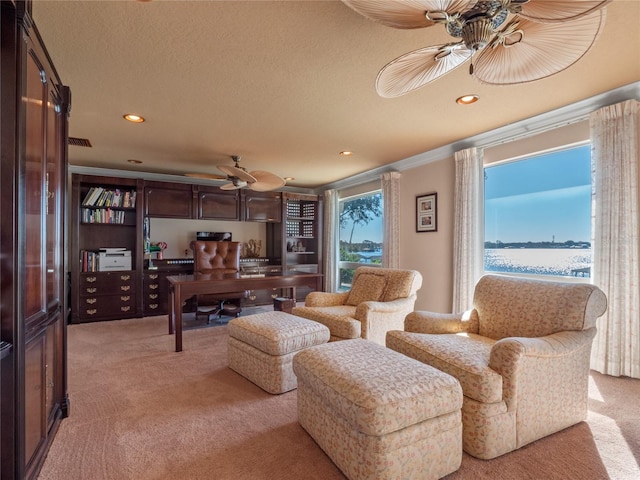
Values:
[(168, 200), (34, 397), (216, 204), (54, 176), (34, 262), (262, 206)]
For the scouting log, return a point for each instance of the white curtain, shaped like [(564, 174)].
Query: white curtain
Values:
[(330, 241), (616, 240), (468, 229), (391, 219)]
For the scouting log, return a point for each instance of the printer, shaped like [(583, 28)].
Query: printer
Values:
[(114, 259)]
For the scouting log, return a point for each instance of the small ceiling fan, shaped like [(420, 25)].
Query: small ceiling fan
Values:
[(239, 177), (516, 41)]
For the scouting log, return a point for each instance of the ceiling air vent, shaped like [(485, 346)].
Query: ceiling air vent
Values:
[(79, 142)]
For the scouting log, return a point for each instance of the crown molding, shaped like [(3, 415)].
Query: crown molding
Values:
[(559, 117), (160, 177)]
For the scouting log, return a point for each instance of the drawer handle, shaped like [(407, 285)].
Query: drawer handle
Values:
[(153, 286), (125, 298), (154, 276), (91, 279), (92, 289), (153, 296), (91, 301), (125, 277), (153, 306), (125, 288), (93, 311), (125, 309)]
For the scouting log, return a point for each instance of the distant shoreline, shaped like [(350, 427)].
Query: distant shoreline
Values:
[(569, 244)]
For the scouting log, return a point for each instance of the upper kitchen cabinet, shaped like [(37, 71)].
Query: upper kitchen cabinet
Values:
[(262, 206)]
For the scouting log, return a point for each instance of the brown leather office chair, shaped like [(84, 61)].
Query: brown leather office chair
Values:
[(210, 256)]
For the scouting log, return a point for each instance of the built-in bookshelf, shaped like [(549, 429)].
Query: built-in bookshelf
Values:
[(106, 275), (105, 205), (297, 239), (102, 197)]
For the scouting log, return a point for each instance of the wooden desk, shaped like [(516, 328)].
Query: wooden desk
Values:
[(183, 287)]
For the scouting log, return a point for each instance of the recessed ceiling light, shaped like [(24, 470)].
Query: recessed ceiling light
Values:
[(467, 99), (136, 162), (131, 117), (346, 153), (289, 179)]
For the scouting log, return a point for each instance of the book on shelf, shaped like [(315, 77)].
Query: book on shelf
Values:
[(104, 198), (89, 261), (106, 215)]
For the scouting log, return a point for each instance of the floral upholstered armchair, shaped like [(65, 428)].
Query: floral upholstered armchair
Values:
[(379, 300), (521, 355)]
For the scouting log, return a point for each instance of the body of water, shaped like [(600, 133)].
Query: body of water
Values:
[(539, 261), (369, 256)]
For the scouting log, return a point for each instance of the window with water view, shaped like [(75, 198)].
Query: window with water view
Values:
[(360, 234), (538, 214)]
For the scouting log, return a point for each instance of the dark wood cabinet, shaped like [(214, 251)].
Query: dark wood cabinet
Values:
[(216, 204), (262, 206), (155, 293), (297, 240), (209, 202), (155, 289), (106, 246), (107, 295), (168, 200), (34, 109)]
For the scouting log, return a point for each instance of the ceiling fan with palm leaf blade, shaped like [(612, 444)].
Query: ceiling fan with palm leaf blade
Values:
[(239, 177), (516, 41)]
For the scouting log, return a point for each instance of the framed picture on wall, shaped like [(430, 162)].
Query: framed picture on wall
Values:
[(427, 212)]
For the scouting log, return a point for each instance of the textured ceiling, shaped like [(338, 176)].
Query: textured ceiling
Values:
[(286, 85)]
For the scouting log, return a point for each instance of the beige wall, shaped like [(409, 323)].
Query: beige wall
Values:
[(178, 233), (431, 253)]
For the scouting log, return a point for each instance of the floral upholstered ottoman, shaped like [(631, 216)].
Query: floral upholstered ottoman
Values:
[(377, 413), (261, 347)]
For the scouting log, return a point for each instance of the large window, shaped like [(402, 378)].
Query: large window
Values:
[(538, 214), (360, 234)]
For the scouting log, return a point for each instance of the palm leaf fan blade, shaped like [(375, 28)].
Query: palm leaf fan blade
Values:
[(266, 181), (405, 13), (418, 68), (559, 10), (544, 50)]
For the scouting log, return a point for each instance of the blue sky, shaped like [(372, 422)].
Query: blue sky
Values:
[(372, 231), (543, 198)]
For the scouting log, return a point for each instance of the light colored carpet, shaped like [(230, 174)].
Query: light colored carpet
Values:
[(141, 411)]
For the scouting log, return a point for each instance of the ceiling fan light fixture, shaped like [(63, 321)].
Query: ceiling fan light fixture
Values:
[(541, 38), (258, 180), (476, 35), (467, 99)]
